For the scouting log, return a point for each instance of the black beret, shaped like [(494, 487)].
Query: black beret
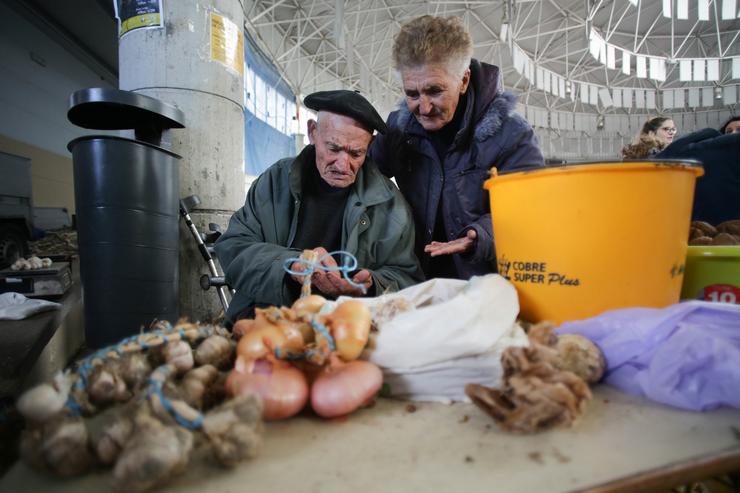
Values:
[(347, 103)]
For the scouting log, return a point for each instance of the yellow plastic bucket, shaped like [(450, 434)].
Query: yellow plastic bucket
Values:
[(577, 240)]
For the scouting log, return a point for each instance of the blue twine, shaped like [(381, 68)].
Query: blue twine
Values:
[(190, 424), (349, 264), (86, 364), (321, 329), (317, 327)]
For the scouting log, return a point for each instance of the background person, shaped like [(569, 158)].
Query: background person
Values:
[(731, 126), (717, 195), (656, 134)]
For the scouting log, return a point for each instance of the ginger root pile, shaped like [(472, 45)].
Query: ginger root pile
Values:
[(544, 384)]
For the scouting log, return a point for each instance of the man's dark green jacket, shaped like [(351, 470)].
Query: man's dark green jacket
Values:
[(377, 229)]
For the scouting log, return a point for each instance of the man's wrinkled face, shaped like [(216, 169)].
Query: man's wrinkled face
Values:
[(432, 93), (341, 145)]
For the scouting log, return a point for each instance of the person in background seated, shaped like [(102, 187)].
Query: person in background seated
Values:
[(454, 125), (656, 134), (717, 196), (330, 197), (731, 126)]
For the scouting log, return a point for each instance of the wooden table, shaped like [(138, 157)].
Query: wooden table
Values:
[(622, 444)]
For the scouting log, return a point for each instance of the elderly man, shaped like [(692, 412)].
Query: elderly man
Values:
[(455, 124), (330, 197)]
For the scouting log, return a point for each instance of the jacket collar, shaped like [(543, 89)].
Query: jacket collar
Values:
[(370, 187)]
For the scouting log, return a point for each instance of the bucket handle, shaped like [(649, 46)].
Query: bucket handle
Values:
[(493, 172)]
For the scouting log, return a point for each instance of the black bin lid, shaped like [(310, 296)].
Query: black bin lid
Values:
[(112, 109)]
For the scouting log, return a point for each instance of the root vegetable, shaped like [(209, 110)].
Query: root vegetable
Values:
[(113, 439), (154, 454), (731, 227), (35, 263), (106, 386), (701, 240), (44, 401), (349, 324), (282, 388), (725, 239), (135, 370), (579, 355), (705, 228), (195, 384), (20, 264), (179, 354), (216, 350), (59, 446), (537, 394), (234, 429), (341, 387)]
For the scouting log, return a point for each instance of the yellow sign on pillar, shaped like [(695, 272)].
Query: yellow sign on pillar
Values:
[(227, 43)]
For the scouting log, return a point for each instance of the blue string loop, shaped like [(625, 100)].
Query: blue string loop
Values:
[(348, 264), (86, 365), (155, 389)]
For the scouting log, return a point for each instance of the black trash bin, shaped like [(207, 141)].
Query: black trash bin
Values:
[(126, 196)]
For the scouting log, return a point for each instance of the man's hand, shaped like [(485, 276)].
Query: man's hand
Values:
[(303, 266), (460, 245), (332, 283)]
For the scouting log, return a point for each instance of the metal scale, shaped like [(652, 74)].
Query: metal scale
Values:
[(54, 280)]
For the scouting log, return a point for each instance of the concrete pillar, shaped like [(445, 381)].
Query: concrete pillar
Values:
[(175, 64), (298, 142)]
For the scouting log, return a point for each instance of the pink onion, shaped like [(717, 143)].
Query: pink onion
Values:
[(283, 388), (343, 387)]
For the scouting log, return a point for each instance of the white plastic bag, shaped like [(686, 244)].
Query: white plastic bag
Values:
[(445, 381), (450, 319), (453, 334)]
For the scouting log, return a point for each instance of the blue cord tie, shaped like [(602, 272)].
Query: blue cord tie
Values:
[(317, 327), (86, 364), (190, 424), (349, 264)]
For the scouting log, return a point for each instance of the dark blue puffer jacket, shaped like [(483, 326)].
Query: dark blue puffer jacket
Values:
[(717, 197), (491, 134)]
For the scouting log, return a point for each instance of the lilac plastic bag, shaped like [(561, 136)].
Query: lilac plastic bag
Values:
[(686, 355)]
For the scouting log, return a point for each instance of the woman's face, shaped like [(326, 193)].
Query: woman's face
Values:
[(665, 133), (432, 93), (733, 127)]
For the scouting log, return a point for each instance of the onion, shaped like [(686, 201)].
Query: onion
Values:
[(283, 389), (308, 305), (349, 324), (260, 341), (343, 387), (262, 336), (242, 326)]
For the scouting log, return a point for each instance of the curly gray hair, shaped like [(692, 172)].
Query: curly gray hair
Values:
[(428, 39)]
